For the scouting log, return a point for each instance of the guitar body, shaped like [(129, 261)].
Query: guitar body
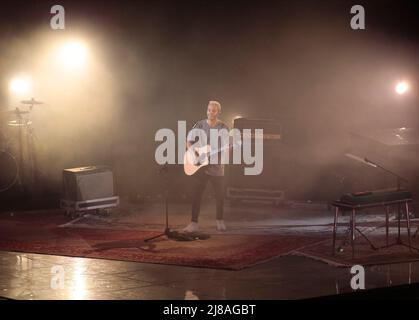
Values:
[(195, 160)]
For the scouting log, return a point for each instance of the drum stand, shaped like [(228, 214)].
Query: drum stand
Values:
[(24, 178), (30, 137)]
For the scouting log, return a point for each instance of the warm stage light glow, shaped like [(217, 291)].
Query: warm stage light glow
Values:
[(402, 87), (235, 118), (21, 86), (73, 55)]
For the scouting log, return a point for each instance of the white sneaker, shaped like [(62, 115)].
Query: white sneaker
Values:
[(192, 227), (220, 225)]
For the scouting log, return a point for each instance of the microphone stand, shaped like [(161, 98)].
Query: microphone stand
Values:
[(399, 211), (399, 178), (167, 232), (164, 171), (399, 181)]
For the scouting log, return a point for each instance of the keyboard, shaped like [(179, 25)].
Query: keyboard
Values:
[(377, 196)]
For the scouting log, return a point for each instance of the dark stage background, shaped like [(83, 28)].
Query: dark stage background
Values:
[(156, 62)]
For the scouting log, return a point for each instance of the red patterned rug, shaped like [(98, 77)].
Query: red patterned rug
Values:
[(40, 233)]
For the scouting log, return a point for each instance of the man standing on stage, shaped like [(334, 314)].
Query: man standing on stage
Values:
[(214, 173)]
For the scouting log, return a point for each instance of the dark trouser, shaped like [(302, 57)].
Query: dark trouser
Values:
[(201, 180)]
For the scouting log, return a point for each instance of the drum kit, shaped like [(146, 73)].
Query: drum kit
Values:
[(16, 145)]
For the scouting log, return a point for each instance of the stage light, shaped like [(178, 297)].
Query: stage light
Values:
[(73, 55), (402, 87), (21, 86)]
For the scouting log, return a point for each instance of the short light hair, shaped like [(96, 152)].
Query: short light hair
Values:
[(215, 103)]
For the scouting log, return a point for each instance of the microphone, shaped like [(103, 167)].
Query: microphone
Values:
[(365, 160), (371, 163), (354, 157)]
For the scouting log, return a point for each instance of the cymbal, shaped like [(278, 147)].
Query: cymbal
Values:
[(15, 111), (31, 102)]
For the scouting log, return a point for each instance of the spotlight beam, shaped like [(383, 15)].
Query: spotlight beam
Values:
[(73, 55), (402, 87), (20, 86)]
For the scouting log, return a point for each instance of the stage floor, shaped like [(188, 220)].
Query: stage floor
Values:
[(29, 276)]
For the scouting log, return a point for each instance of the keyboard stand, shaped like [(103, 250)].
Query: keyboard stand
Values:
[(339, 205)]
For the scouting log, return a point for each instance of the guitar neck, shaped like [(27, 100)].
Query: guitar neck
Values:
[(221, 149)]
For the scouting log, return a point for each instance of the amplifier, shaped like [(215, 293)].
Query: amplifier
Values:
[(271, 127), (243, 194), (87, 183), (272, 181), (88, 188)]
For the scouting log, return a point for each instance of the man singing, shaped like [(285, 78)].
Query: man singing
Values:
[(214, 172)]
